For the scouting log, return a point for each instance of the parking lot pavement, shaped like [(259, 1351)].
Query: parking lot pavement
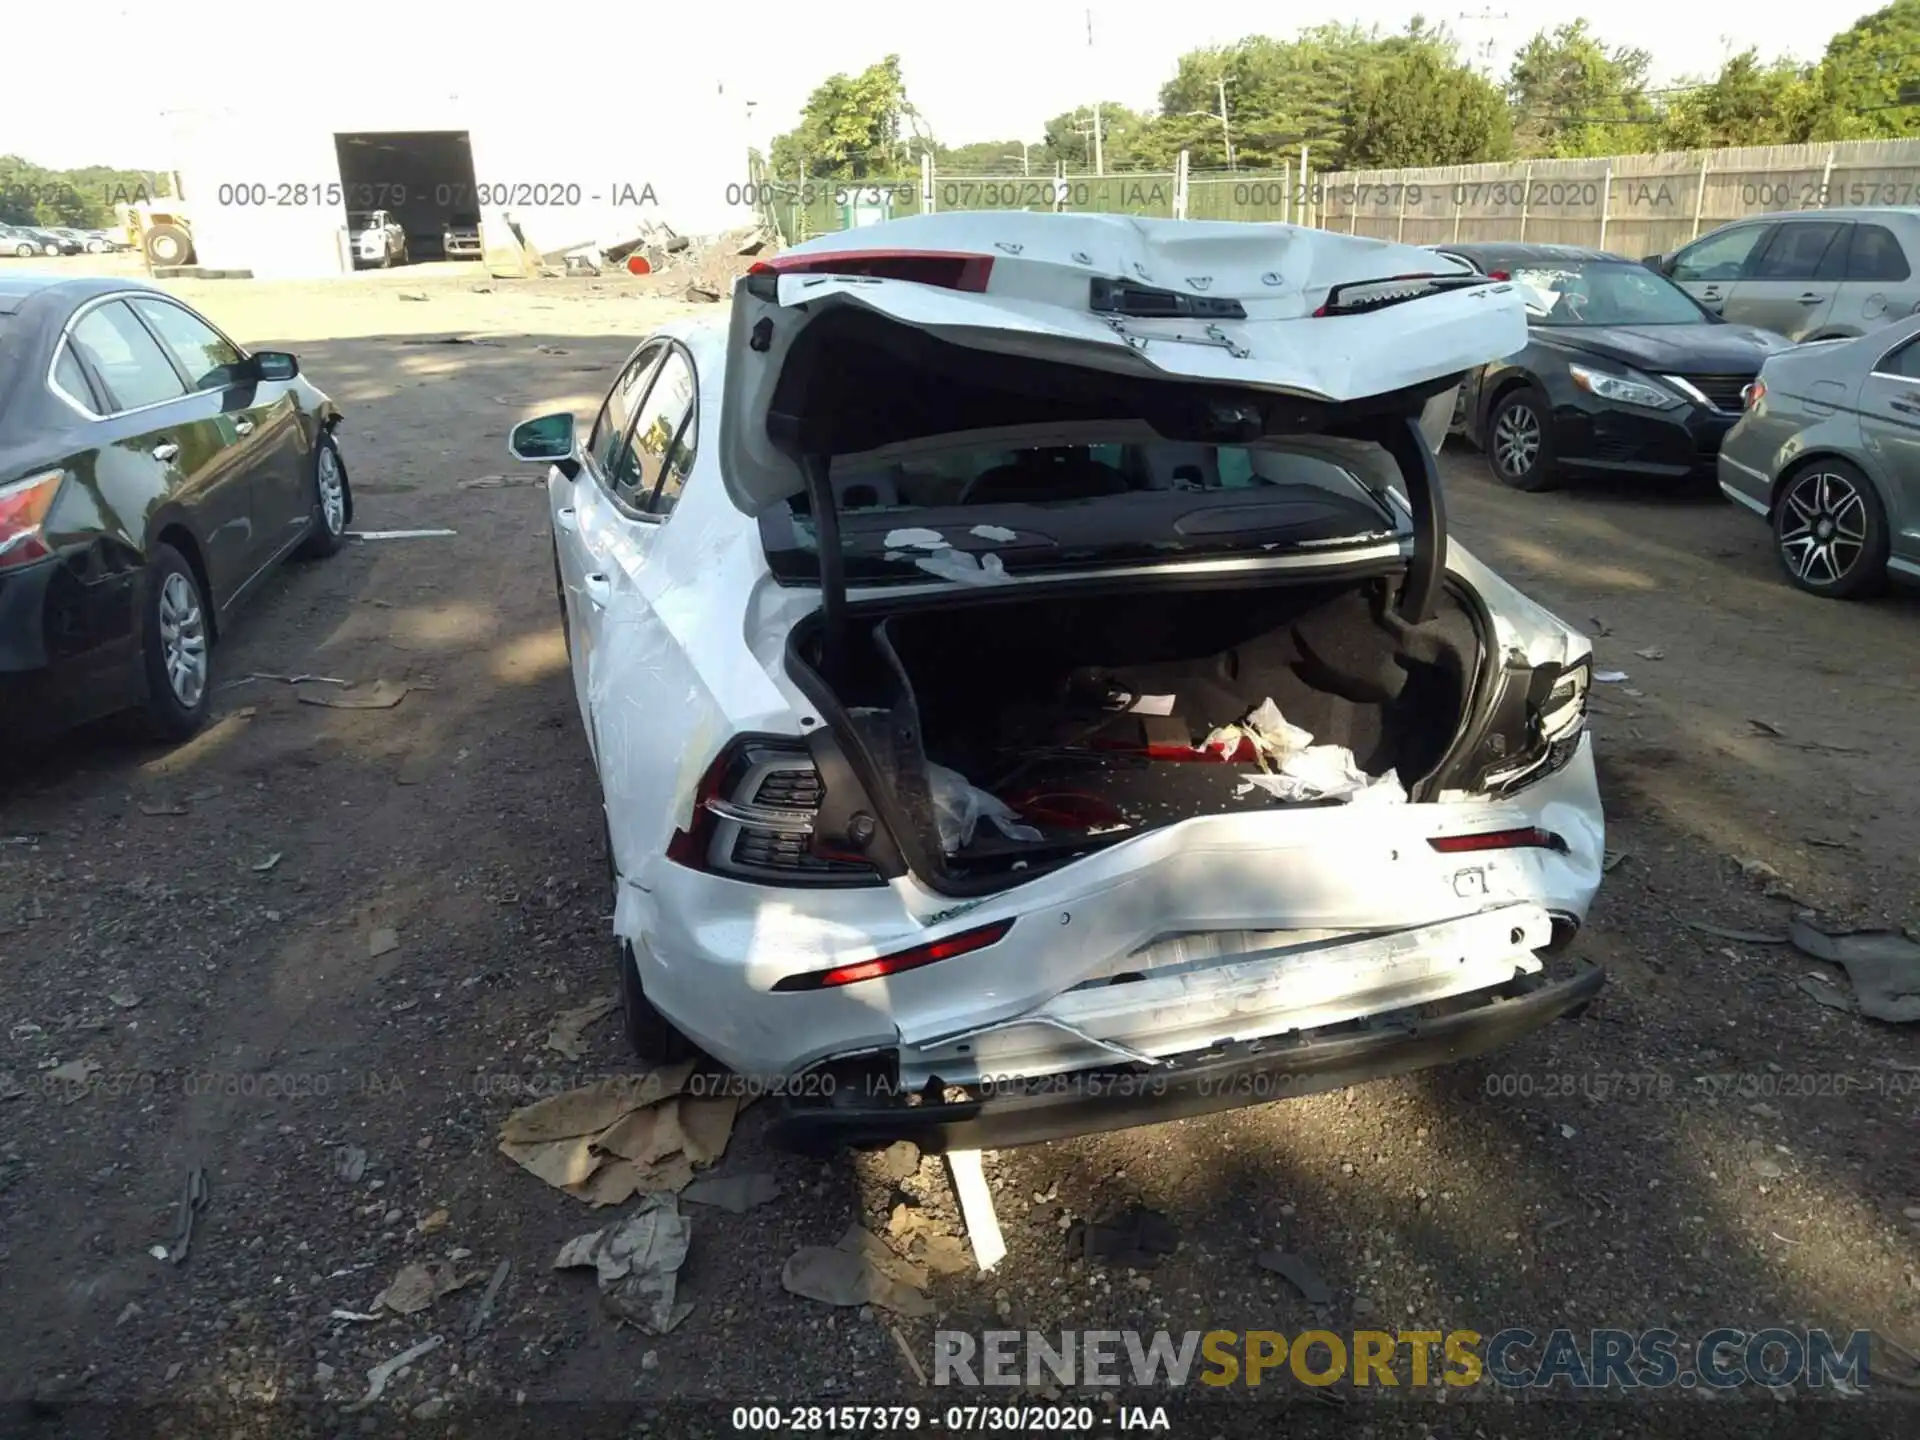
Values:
[(1707, 1144)]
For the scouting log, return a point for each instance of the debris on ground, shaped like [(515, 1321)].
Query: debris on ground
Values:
[(697, 293), (158, 808), (637, 1263), (350, 1163), (1745, 937), (74, 1072), (734, 1193), (633, 1134), (1136, 1238), (906, 1353), (380, 1374), (566, 1037), (1299, 1272), (261, 867), (381, 695), (382, 942), (399, 534), (1610, 677), (419, 1284), (859, 1270), (1758, 871), (900, 1160), (193, 1199), (927, 1244), (1883, 965), (1652, 652), (483, 1312), (1817, 985)]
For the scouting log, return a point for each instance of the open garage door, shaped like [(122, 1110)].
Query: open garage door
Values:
[(422, 179)]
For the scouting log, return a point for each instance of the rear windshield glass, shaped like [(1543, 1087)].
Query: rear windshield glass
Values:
[(1035, 507), (1603, 293)]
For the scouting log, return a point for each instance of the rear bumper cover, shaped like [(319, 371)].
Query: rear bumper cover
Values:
[(1205, 1082)]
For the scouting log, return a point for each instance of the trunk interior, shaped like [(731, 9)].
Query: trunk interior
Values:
[(1082, 714)]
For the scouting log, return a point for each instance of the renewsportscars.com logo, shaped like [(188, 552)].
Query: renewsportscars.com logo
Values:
[(1514, 1359)]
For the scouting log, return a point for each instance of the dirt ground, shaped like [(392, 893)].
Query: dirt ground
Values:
[(1707, 1145)]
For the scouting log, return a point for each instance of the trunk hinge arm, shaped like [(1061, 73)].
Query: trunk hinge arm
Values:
[(1426, 571), (833, 577)]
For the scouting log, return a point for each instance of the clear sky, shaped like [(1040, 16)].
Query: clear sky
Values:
[(87, 79)]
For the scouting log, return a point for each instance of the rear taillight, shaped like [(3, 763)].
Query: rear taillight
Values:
[(1529, 838), (1753, 394), (1538, 720), (753, 819), (23, 511), (1498, 275), (946, 269), (1359, 297), (965, 943)]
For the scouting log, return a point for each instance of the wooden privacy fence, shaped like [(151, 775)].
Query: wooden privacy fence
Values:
[(1634, 205)]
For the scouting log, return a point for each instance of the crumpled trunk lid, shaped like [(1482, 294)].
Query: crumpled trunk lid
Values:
[(1212, 303)]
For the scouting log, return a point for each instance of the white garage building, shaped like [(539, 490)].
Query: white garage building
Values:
[(275, 198)]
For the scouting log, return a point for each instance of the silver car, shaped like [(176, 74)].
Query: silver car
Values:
[(1807, 274), (1828, 451)]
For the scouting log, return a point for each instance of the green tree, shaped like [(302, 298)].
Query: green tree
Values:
[(1573, 96), (31, 194), (1750, 102), (987, 157), (1422, 108), (1067, 139), (853, 127), (1869, 79)]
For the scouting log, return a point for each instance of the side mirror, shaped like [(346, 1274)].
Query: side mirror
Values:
[(548, 440), (275, 365), (1656, 263)]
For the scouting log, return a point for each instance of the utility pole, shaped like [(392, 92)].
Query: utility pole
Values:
[(1486, 48), (1226, 131), (1099, 159)]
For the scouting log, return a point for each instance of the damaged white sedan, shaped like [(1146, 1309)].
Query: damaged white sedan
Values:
[(1033, 692)]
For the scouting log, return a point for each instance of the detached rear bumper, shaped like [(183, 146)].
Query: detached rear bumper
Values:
[(1089, 1102)]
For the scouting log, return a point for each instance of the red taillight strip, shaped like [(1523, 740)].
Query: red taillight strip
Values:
[(965, 943), (945, 268), (1531, 837)]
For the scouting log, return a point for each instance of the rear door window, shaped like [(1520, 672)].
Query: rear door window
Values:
[(1796, 251), (1904, 362), (1876, 254), (125, 355)]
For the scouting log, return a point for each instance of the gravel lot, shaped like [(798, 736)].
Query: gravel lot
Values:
[(241, 1023)]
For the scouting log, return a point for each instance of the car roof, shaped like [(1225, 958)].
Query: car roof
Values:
[(1500, 252), (18, 287)]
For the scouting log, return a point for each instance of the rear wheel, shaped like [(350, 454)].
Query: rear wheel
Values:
[(176, 645), (1519, 449), (650, 1033), (1830, 531)]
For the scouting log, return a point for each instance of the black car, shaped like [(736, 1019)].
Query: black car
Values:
[(1623, 371), (152, 473)]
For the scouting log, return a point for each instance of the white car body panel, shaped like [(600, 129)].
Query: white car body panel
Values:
[(679, 632)]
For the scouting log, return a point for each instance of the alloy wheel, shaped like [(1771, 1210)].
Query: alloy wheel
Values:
[(333, 493), (183, 639), (1823, 527), (1516, 440)]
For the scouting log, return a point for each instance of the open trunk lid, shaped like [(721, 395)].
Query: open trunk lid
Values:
[(1230, 309)]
